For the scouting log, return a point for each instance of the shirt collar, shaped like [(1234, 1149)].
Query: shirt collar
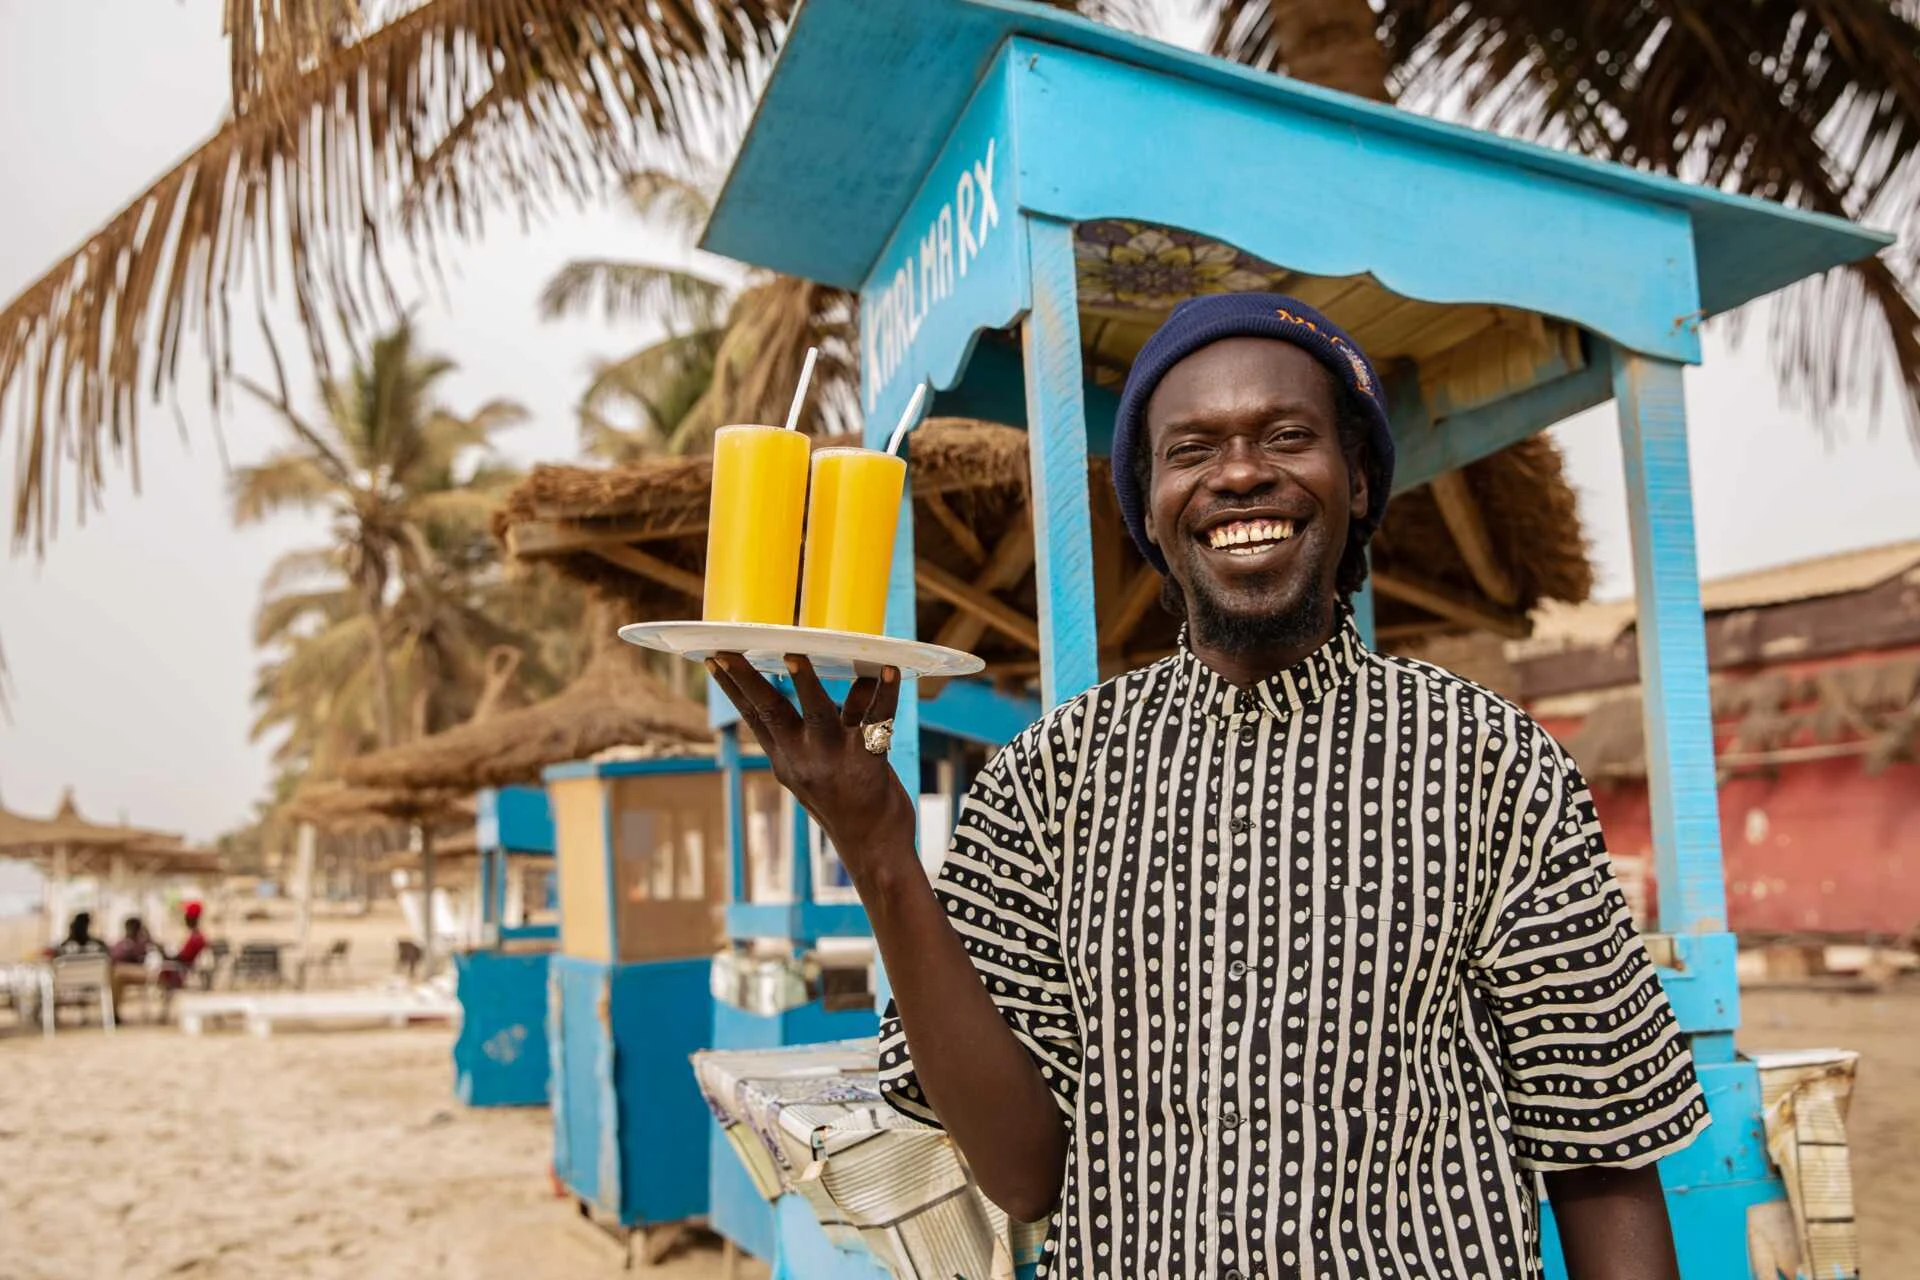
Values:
[(1306, 681)]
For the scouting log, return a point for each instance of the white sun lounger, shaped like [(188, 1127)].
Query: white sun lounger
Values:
[(330, 1008)]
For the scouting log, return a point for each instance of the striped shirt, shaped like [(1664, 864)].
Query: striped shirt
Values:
[(1321, 972)]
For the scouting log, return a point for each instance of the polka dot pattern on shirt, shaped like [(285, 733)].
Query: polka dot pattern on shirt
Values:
[(1320, 972)]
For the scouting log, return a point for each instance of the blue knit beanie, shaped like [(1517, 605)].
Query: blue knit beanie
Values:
[(1202, 321)]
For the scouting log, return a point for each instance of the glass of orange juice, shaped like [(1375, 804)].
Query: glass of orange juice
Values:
[(754, 524), (852, 516)]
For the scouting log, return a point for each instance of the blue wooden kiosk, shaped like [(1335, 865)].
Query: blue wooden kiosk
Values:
[(642, 886), (786, 924), (500, 1058), (986, 168)]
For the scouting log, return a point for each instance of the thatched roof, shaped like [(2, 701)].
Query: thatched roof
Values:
[(338, 807), (639, 532), (616, 703), (20, 834)]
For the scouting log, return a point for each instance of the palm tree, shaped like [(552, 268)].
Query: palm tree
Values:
[(351, 131), (730, 354), (391, 469)]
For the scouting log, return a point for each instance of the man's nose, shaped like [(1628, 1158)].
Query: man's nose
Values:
[(1243, 467)]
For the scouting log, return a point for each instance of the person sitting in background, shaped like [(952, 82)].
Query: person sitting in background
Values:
[(181, 962), (130, 959), (134, 944), (79, 940)]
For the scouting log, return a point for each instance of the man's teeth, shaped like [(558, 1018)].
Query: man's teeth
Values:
[(1244, 537)]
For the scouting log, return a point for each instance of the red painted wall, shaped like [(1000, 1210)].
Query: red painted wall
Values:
[(1819, 847)]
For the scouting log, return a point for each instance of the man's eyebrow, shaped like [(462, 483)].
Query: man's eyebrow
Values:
[(1203, 419)]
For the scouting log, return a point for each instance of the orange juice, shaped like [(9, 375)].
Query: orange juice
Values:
[(753, 526), (851, 519)]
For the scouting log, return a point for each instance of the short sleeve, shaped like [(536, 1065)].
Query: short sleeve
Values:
[(1000, 891), (1596, 1071)]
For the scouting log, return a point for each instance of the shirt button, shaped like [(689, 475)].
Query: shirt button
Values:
[(1235, 1275), (1250, 734), (1241, 825), (1238, 969), (1230, 1118)]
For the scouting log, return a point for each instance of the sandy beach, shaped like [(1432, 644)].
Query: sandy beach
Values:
[(343, 1154)]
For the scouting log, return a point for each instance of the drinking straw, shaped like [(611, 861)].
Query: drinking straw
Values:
[(907, 419), (800, 392)]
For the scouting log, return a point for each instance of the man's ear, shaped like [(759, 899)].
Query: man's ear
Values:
[(1362, 490)]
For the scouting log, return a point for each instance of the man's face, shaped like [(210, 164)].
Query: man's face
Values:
[(1249, 494)]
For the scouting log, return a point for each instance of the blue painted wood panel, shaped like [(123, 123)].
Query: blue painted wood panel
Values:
[(1057, 460), (515, 818), (632, 1133), (1327, 199), (865, 94), (500, 1057), (1673, 646), (954, 265)]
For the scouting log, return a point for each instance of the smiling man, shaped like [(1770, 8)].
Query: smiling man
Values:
[(1279, 957)]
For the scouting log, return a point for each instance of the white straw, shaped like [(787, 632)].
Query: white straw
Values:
[(907, 419), (800, 392)]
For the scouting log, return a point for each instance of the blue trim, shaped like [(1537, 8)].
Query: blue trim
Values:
[(517, 819), (734, 780), (1424, 448), (1673, 648), (974, 711), (631, 768), (797, 921), (1703, 986), (528, 932), (992, 388), (1057, 459), (865, 96)]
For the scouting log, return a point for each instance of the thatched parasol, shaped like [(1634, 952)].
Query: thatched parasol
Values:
[(615, 703), (640, 532), (24, 836), (336, 806)]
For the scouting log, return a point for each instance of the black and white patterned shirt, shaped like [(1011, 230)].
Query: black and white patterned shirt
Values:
[(1321, 972)]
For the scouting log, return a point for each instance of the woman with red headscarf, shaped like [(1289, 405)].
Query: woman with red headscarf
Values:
[(181, 962)]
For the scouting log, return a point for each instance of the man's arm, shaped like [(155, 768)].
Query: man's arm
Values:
[(979, 1078), (1613, 1223)]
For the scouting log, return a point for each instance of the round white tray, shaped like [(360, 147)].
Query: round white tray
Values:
[(836, 655)]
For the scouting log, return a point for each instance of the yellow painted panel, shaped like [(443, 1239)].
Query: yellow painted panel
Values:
[(580, 857)]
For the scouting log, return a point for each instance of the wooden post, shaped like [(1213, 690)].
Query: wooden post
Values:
[(302, 897), (57, 894), (1673, 646), (427, 947), (1057, 455)]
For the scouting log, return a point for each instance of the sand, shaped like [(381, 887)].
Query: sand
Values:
[(343, 1154)]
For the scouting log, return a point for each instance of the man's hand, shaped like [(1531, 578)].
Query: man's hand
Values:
[(818, 753), (1613, 1224)]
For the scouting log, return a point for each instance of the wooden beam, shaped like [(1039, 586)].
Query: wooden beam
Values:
[(653, 568), (1467, 523), (1451, 604), (988, 608), (1142, 591), (533, 538), (1011, 559), (957, 529)]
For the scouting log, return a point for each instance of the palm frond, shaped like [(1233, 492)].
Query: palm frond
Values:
[(270, 41), (286, 480), (301, 566), (758, 362), (676, 298), (1812, 102), (284, 618), (654, 388), (318, 169), (669, 202)]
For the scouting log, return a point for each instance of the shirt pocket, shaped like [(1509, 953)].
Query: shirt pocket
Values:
[(1383, 996)]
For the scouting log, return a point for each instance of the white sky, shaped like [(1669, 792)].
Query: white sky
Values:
[(131, 645)]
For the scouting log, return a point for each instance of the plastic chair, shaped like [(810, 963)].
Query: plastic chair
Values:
[(82, 980)]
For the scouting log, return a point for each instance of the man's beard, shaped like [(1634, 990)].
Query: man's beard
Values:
[(1234, 632)]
